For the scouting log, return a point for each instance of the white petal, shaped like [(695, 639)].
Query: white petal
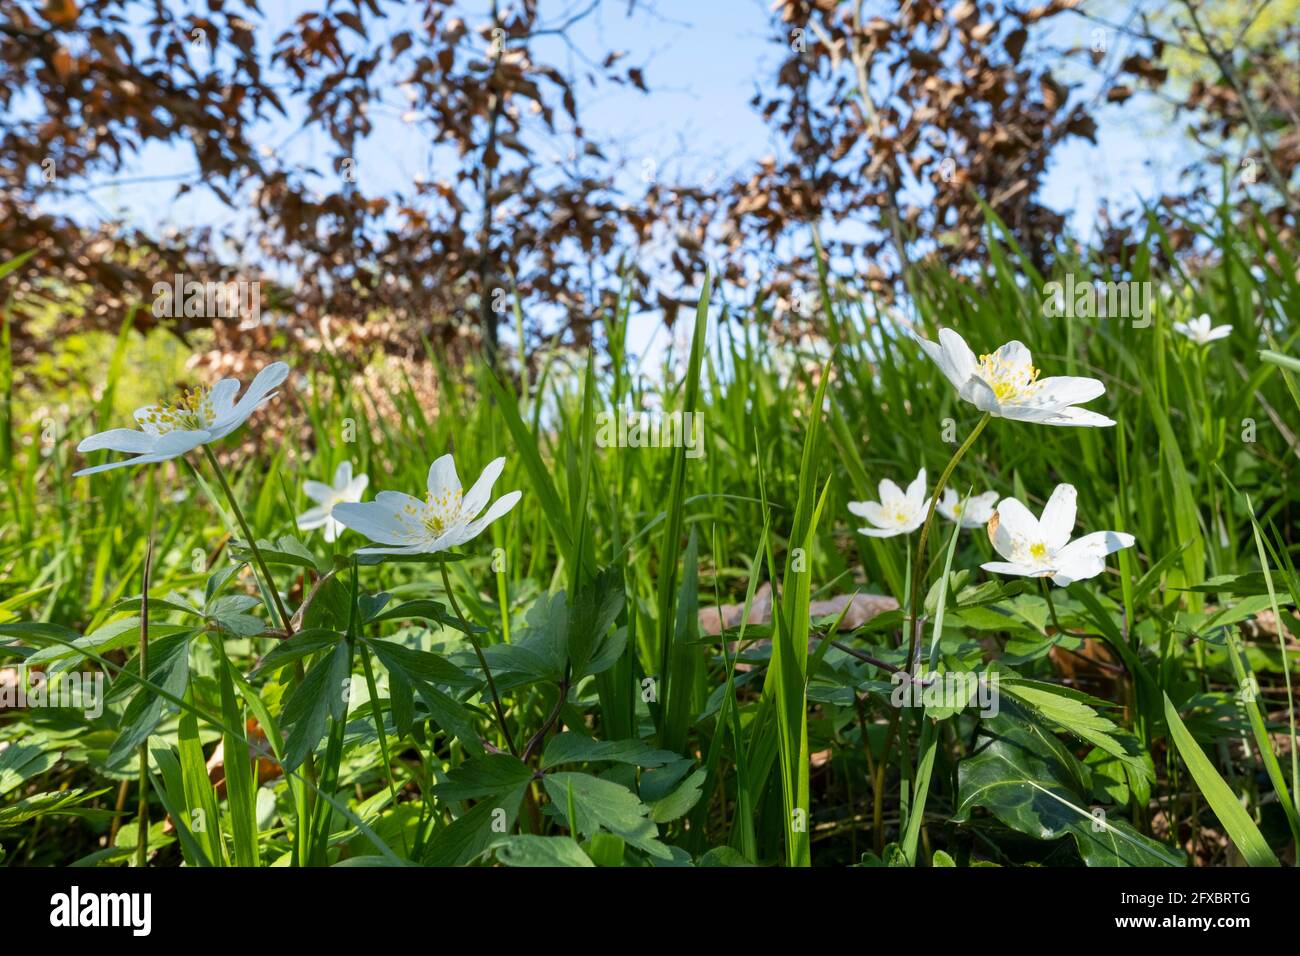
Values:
[(1182, 328), (1010, 567), (443, 482), (979, 509), (1060, 390), (870, 510), (916, 496), (939, 357), (1014, 355), (881, 532), (481, 491), (498, 508), (961, 359), (258, 392), (374, 519), (947, 504), (312, 518), (120, 439), (877, 515), (890, 494), (1219, 332), (138, 460), (178, 442), (332, 530), (1100, 543), (980, 394), (1086, 558), (165, 448), (222, 397), (317, 490), (356, 488), (410, 549), (1077, 417), (342, 475), (1058, 517), (1015, 525)]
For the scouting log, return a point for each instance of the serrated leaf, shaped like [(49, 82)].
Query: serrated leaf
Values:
[(604, 805), (526, 849), (491, 775), (570, 747), (1031, 783), (319, 697)]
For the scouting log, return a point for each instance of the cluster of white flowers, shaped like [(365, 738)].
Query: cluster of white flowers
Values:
[(401, 524), (1005, 384)]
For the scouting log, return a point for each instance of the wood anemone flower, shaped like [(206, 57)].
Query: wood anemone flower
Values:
[(1006, 384), (198, 417), (444, 519), (344, 488), (1041, 547), (895, 513)]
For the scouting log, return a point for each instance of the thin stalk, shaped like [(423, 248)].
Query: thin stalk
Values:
[(252, 542), (309, 793), (918, 566), (482, 661), (142, 812)]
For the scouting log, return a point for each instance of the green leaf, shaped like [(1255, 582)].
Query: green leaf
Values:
[(591, 614), (55, 803), (723, 856), (1240, 827), (421, 665), (424, 610), (320, 696), (681, 801), (286, 550), (491, 775), (475, 831), (570, 747), (604, 805), (527, 849), (1067, 709), (1031, 783), (169, 669), (303, 644), (20, 762)]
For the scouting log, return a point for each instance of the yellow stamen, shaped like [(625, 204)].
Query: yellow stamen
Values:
[(192, 411), (1007, 381), (441, 510)]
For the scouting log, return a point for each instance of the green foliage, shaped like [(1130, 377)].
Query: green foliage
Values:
[(627, 733)]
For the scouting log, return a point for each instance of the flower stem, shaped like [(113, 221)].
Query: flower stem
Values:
[(307, 795), (252, 542), (487, 671), (918, 567)]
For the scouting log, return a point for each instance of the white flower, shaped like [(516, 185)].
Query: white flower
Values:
[(1199, 331), (196, 418), (1006, 384), (444, 519), (895, 512), (345, 488), (1042, 547), (973, 512)]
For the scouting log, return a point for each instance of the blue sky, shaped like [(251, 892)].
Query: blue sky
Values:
[(704, 60)]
